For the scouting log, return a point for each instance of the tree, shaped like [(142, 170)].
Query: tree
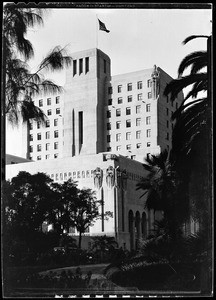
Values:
[(73, 207), (63, 203), (165, 191), (19, 85), (192, 134), (28, 201), (192, 141), (85, 211)]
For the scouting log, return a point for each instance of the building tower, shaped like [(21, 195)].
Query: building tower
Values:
[(83, 103)]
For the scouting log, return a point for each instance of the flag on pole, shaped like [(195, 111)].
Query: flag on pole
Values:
[(102, 26)]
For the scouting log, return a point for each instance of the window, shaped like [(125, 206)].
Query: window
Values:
[(133, 156), (39, 147), (128, 147), (139, 85), (109, 149), (108, 138), (149, 95), (129, 98), (39, 136), (47, 123), (149, 83), (30, 125), (138, 145), (57, 99), (74, 67), (31, 137), (30, 148), (148, 132), (55, 122), (109, 101), (118, 137), (138, 109), (138, 134), (167, 124), (128, 123), (148, 144), (120, 100), (108, 126), (48, 146), (38, 125), (39, 157), (56, 145), (167, 112), (139, 97), (80, 66), (108, 113), (119, 88), (148, 120), (167, 136), (56, 155), (128, 110), (49, 112), (105, 66), (129, 87), (148, 107), (118, 125), (56, 133), (57, 111), (109, 90), (118, 148), (47, 156), (118, 112), (87, 64), (48, 101), (138, 121), (47, 135), (128, 136), (40, 102)]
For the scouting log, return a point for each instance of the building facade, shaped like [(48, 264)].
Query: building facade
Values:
[(97, 133), (125, 114)]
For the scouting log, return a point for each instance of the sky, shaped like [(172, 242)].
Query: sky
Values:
[(138, 39)]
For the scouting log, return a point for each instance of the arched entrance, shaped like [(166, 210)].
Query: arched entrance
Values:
[(137, 229), (144, 225), (131, 229)]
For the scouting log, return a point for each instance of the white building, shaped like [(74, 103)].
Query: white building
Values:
[(97, 132)]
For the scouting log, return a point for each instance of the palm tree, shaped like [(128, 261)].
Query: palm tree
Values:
[(192, 141), (19, 85), (192, 134), (194, 114), (165, 191)]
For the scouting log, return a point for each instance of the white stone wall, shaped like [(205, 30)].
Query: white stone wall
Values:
[(81, 170)]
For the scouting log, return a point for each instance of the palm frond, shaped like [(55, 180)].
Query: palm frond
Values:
[(49, 87), (197, 87), (30, 111), (177, 85), (183, 106), (197, 60), (55, 60), (192, 37)]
